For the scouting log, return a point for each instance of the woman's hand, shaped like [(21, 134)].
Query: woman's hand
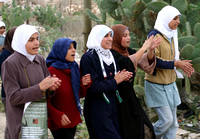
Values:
[(186, 66), (51, 83), (151, 43), (65, 120), (155, 43), (123, 76), (86, 80)]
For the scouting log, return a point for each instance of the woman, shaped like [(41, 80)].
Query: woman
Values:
[(133, 121), (100, 102), (7, 51), (64, 107), (2, 34), (25, 77), (160, 88)]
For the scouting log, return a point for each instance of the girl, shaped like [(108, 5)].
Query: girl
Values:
[(64, 107), (25, 76), (100, 102), (133, 121), (160, 89), (7, 51)]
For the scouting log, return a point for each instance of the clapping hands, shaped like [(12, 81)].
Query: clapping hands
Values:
[(123, 76)]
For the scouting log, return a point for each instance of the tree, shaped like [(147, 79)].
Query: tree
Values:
[(87, 22)]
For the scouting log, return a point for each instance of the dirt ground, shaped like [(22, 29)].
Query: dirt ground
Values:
[(181, 134)]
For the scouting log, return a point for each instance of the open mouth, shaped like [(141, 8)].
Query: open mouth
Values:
[(36, 48)]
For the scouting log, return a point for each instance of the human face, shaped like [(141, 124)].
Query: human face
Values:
[(174, 23), (2, 30), (71, 53), (126, 39), (106, 42), (32, 45)]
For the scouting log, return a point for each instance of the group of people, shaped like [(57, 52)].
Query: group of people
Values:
[(105, 78)]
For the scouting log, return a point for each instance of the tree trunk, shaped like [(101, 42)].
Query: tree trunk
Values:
[(87, 23)]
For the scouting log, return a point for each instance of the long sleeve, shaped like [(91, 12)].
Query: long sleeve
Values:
[(54, 115), (99, 84), (145, 66), (15, 93)]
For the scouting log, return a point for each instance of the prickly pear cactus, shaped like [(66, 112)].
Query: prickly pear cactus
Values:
[(140, 16)]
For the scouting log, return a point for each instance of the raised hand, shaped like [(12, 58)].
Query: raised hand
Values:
[(155, 43)]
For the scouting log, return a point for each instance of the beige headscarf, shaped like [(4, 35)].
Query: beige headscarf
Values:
[(21, 37)]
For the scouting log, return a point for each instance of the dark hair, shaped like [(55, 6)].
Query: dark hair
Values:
[(8, 39)]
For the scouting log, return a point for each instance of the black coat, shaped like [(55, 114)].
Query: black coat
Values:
[(100, 116), (130, 113)]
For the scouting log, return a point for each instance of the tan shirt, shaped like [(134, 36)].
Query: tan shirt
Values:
[(166, 52), (16, 86)]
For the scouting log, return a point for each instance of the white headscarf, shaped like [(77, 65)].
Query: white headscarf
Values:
[(21, 36), (165, 16), (2, 24), (94, 42)]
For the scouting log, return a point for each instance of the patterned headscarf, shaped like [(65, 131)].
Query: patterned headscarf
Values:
[(94, 42)]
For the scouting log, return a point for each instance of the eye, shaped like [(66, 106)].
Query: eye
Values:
[(125, 35), (30, 40), (106, 35)]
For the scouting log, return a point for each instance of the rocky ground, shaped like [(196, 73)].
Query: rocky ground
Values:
[(181, 134)]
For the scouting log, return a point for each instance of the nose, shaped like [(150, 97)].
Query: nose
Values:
[(37, 42), (74, 49), (110, 38), (129, 37), (178, 21)]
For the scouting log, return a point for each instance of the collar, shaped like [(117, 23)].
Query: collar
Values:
[(25, 61)]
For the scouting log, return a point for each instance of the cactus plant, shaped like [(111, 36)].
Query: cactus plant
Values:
[(186, 40), (187, 51), (197, 31), (140, 16)]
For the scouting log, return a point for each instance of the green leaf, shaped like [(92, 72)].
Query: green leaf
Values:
[(182, 41), (181, 5), (156, 6), (108, 5), (92, 16), (197, 31), (186, 51), (128, 3), (196, 66), (139, 90), (196, 60), (193, 17)]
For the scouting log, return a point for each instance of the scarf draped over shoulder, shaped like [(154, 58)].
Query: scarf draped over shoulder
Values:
[(56, 59), (119, 30)]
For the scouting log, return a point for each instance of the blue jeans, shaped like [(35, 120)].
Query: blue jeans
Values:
[(167, 124)]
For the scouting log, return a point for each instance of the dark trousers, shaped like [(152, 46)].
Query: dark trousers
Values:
[(64, 133)]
